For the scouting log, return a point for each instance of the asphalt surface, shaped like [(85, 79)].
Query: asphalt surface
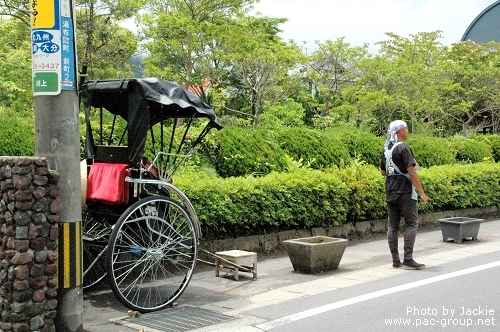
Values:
[(277, 283)]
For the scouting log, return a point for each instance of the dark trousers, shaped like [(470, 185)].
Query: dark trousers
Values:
[(402, 206)]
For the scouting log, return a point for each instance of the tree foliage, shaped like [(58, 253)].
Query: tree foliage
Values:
[(285, 114), (15, 67), (261, 64), (333, 67), (407, 72), (473, 100), (241, 66), (181, 36), (17, 9), (103, 46), (194, 42)]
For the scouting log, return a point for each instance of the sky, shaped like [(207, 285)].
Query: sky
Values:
[(367, 21)]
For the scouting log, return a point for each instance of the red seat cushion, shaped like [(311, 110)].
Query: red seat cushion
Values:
[(106, 183)]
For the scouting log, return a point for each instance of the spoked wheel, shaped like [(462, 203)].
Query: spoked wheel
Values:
[(95, 240), (151, 254)]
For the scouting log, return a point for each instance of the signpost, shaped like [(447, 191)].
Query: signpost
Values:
[(57, 138)]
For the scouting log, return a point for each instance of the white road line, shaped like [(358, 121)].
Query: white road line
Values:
[(332, 306)]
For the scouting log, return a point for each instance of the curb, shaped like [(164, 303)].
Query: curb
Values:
[(364, 230)]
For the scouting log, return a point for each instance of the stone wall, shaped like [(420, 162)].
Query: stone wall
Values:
[(360, 231), (29, 209)]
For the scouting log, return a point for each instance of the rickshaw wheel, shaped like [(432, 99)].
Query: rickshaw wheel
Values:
[(95, 239), (151, 254)]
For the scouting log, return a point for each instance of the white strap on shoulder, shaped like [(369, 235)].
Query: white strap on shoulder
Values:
[(392, 169)]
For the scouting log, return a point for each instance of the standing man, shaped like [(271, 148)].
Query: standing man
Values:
[(398, 165)]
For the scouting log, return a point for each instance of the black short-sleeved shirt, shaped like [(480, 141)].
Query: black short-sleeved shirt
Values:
[(395, 185)]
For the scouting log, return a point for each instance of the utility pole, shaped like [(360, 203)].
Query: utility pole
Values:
[(57, 138)]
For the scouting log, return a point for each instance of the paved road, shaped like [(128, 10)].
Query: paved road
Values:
[(254, 305), (458, 296)]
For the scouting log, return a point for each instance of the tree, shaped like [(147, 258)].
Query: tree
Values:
[(333, 67), (367, 107), (265, 67), (474, 98), (376, 94), (408, 72), (16, 91), (18, 9), (103, 46), (284, 114), (181, 36), (16, 95), (241, 56)]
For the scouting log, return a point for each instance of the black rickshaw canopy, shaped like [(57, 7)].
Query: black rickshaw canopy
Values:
[(142, 102)]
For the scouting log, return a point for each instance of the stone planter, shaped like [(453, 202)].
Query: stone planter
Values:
[(315, 254), (459, 228)]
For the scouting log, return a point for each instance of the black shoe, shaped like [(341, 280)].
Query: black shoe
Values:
[(412, 264), (396, 264)]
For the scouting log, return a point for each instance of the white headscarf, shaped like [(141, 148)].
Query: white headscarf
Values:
[(394, 126)]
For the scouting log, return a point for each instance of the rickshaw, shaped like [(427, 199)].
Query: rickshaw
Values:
[(140, 232)]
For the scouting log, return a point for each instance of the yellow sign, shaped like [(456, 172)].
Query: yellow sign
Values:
[(44, 14)]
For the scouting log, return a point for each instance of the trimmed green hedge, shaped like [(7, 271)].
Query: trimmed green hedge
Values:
[(17, 135), (248, 205), (493, 141), (311, 198), (431, 151), (461, 186), (241, 152), (365, 184), (360, 144), (470, 150), (302, 143), (236, 151)]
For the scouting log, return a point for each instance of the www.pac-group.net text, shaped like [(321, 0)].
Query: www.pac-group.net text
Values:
[(445, 317)]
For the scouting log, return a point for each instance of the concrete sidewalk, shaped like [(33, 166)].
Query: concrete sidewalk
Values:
[(224, 301)]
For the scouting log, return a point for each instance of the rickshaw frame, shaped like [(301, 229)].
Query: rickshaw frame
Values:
[(171, 226)]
